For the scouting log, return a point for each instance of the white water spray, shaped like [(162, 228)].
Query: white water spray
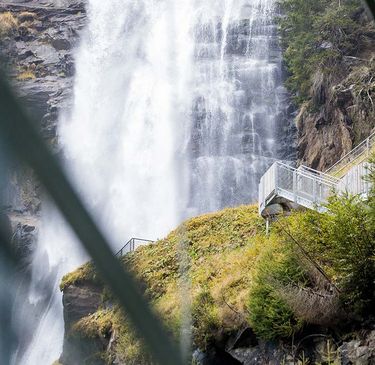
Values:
[(174, 114)]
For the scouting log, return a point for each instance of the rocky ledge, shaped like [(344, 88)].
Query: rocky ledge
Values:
[(37, 43), (39, 51), (85, 299)]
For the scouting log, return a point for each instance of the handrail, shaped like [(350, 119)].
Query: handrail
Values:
[(310, 188), (319, 173), (322, 177), (301, 185), (368, 143), (130, 246)]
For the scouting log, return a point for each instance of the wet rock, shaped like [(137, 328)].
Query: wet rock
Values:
[(61, 44), (41, 65), (244, 338), (80, 301), (358, 352), (24, 241), (44, 47), (214, 356), (263, 353)]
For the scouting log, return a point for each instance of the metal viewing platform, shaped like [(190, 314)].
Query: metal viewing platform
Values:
[(283, 187)]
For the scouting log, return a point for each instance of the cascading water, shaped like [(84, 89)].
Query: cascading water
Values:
[(238, 101), (175, 109)]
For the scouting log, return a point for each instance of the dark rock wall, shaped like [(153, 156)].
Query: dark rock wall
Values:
[(341, 113), (80, 301), (38, 55)]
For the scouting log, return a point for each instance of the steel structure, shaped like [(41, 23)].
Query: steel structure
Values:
[(132, 245), (289, 187)]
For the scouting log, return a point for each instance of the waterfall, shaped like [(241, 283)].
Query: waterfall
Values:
[(238, 101), (175, 110)]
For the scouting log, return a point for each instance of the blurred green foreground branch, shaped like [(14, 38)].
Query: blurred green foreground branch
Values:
[(23, 140)]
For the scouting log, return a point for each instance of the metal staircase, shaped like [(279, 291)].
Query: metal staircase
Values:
[(356, 156), (288, 187)]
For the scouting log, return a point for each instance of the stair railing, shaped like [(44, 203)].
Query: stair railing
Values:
[(132, 245), (357, 155), (303, 185)]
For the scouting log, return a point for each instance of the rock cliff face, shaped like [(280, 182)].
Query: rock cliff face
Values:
[(341, 116), (80, 301), (340, 112), (37, 39), (39, 52)]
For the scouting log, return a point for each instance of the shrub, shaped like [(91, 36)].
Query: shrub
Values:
[(26, 75), (342, 241), (315, 36), (269, 313), (8, 23), (205, 318)]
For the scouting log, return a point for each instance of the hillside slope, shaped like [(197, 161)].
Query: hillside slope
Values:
[(242, 296)]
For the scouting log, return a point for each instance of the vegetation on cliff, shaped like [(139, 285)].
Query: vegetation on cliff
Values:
[(329, 51), (317, 37), (312, 269), (221, 249), (8, 23)]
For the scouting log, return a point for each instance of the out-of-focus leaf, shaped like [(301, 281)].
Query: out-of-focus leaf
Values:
[(20, 135)]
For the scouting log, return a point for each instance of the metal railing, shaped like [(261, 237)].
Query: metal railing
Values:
[(357, 155), (132, 245), (303, 186), (353, 182), (321, 174)]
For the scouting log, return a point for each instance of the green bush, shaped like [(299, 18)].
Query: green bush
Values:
[(269, 314), (342, 241), (205, 318)]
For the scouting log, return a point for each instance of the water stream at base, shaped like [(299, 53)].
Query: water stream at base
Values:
[(176, 109)]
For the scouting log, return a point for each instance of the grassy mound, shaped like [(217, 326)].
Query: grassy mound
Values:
[(212, 255), (218, 273)]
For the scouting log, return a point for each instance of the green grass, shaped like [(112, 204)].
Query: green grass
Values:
[(83, 274), (220, 250), (231, 275)]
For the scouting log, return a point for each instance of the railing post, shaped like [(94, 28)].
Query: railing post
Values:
[(276, 177), (295, 177), (314, 190), (267, 226), (368, 146)]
